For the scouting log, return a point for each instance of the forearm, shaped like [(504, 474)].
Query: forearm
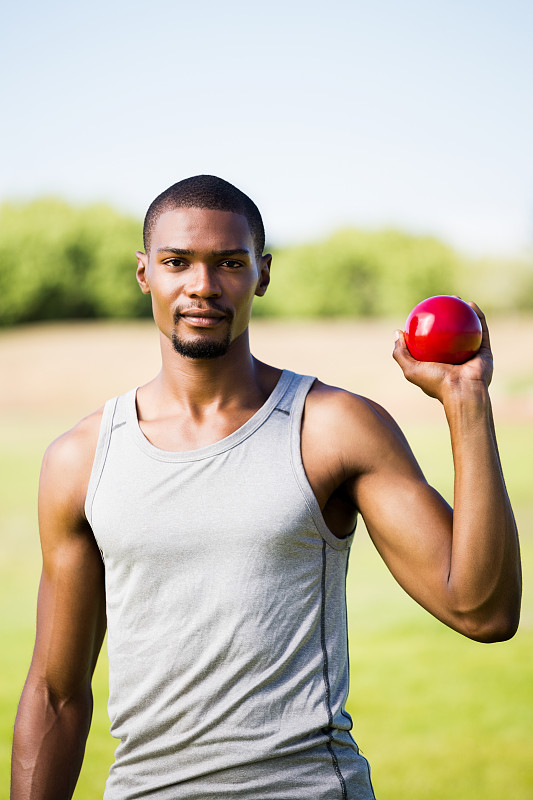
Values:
[(484, 578), (48, 744)]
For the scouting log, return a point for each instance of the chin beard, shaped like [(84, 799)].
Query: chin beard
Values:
[(201, 348)]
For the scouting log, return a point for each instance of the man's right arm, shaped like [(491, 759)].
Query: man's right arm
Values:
[(55, 710)]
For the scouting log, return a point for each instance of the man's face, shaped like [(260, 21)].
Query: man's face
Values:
[(203, 274)]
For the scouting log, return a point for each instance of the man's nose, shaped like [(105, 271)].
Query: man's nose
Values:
[(203, 282)]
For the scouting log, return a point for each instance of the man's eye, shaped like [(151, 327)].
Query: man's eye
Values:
[(175, 262), (231, 264)]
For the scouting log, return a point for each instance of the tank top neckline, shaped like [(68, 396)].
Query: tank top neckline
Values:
[(228, 442)]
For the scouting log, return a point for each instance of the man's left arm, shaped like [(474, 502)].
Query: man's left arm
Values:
[(462, 565), (484, 580)]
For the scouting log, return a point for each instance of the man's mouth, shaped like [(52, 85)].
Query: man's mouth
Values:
[(201, 317)]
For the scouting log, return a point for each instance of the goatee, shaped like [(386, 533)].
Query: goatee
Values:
[(201, 348)]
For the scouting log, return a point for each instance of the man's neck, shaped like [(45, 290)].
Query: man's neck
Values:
[(200, 383), (196, 402)]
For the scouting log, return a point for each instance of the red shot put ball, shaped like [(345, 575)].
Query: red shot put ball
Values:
[(444, 329)]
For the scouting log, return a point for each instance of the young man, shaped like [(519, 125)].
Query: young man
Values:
[(208, 515)]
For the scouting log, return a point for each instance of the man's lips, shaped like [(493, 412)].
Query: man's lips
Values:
[(201, 317)]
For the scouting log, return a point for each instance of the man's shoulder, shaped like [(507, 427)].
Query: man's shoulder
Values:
[(71, 455), (353, 426), (334, 405)]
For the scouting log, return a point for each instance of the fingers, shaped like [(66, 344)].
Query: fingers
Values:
[(401, 354), (426, 375), (485, 338)]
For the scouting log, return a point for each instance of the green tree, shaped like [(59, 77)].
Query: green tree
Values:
[(357, 273), (59, 261)]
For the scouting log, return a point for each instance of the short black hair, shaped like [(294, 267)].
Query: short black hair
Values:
[(210, 192)]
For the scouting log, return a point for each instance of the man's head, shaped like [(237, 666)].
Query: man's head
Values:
[(203, 265), (210, 192)]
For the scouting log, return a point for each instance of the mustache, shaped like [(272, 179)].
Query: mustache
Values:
[(204, 307)]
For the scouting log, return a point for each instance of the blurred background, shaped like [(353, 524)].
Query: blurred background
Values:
[(388, 146)]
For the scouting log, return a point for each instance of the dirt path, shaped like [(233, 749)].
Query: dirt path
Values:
[(71, 369)]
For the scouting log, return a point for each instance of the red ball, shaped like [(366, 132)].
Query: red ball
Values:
[(443, 329)]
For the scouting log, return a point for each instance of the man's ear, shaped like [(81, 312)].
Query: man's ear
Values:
[(264, 274), (142, 264)]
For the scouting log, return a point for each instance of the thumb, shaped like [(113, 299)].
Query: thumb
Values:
[(400, 347), (402, 356)]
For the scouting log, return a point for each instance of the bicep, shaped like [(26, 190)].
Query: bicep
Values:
[(71, 619), (411, 527), (407, 519)]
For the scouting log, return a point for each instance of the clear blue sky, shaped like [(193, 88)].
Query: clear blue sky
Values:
[(415, 114)]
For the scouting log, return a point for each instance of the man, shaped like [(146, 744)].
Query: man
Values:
[(208, 516)]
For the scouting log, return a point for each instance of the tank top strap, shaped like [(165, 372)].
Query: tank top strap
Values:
[(124, 404), (107, 425), (293, 399)]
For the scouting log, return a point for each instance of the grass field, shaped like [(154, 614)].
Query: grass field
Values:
[(437, 716)]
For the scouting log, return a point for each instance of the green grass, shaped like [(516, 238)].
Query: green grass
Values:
[(437, 716)]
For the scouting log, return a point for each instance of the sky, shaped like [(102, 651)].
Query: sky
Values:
[(409, 114)]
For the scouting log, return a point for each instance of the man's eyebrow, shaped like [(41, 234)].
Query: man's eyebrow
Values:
[(239, 252), (177, 251)]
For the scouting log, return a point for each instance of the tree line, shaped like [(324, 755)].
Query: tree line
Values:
[(60, 261)]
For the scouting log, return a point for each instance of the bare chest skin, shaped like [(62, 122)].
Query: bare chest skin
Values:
[(179, 433)]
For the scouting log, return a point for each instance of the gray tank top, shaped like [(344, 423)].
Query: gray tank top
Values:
[(226, 611)]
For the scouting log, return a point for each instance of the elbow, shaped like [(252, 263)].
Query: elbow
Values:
[(490, 628), (489, 619), (56, 698), (490, 634)]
